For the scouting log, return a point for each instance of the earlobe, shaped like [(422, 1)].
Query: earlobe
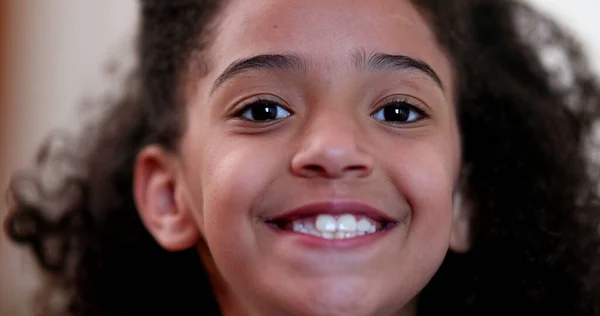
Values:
[(155, 185), (460, 239)]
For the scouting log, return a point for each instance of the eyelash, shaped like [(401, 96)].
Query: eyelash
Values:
[(400, 102), (406, 103), (267, 102)]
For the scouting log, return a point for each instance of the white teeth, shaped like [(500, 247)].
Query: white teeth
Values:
[(363, 225), (329, 227), (326, 223), (314, 233), (346, 223), (298, 226), (309, 226)]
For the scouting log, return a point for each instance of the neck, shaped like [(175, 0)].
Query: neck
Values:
[(227, 301)]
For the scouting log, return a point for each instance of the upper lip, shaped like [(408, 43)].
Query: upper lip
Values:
[(333, 208)]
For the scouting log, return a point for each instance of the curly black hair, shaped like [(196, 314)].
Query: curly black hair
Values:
[(526, 127)]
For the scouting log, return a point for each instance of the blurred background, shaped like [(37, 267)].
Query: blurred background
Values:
[(55, 53)]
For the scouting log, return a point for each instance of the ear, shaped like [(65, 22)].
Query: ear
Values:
[(158, 194), (460, 239)]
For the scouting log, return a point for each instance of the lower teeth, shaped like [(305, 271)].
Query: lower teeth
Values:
[(329, 227), (332, 235)]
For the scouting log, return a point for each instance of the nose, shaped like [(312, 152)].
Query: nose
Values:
[(331, 150)]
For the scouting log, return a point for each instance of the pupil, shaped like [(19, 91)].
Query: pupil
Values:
[(396, 113), (264, 112)]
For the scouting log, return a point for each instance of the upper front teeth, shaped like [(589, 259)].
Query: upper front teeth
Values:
[(328, 226)]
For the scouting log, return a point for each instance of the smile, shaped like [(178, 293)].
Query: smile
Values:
[(333, 221)]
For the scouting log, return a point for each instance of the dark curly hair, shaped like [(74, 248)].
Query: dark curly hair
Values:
[(526, 128)]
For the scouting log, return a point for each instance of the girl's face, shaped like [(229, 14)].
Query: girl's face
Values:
[(313, 108)]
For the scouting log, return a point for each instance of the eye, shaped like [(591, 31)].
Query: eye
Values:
[(263, 110), (399, 111)]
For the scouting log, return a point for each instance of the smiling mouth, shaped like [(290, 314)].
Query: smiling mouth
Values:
[(330, 226)]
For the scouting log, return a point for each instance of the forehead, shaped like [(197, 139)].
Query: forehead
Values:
[(331, 31)]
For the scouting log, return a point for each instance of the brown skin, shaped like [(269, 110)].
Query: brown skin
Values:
[(231, 173), (524, 173)]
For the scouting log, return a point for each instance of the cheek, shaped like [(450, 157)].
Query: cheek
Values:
[(224, 175), (424, 175), (234, 178), (427, 184), (232, 182)]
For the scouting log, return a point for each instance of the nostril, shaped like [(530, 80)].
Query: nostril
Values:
[(356, 168), (315, 168)]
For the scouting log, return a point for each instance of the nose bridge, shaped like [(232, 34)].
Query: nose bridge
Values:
[(331, 146), (334, 130)]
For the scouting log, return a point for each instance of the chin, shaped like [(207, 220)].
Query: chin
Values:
[(341, 297)]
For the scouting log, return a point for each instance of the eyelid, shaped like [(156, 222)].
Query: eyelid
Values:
[(419, 105), (239, 110), (241, 106)]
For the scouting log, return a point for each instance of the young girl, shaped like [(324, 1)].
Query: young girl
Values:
[(385, 157)]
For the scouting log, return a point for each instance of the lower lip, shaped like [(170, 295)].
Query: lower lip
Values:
[(342, 244)]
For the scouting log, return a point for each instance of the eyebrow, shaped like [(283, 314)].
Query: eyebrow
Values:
[(261, 62), (292, 62), (381, 61)]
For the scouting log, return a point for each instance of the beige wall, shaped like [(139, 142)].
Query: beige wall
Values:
[(581, 17), (56, 52)]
